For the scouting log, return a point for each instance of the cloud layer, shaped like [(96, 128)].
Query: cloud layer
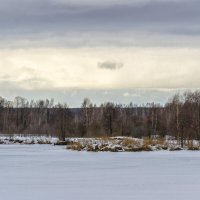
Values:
[(49, 22), (90, 47), (77, 68)]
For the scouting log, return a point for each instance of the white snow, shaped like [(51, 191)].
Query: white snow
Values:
[(27, 139), (46, 172)]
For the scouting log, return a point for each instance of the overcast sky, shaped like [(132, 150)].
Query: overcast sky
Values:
[(108, 50)]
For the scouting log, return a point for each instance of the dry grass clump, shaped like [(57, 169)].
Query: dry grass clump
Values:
[(146, 148), (112, 149), (76, 146), (138, 149), (104, 147), (43, 142), (120, 144), (106, 140), (129, 142), (90, 147), (158, 143), (147, 142), (133, 145), (192, 147), (153, 142)]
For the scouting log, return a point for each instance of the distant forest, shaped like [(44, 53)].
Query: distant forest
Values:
[(179, 117)]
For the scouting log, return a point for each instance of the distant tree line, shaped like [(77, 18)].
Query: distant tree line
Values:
[(179, 117)]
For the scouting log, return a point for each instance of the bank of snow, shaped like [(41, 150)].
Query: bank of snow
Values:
[(112, 144), (18, 139), (120, 144)]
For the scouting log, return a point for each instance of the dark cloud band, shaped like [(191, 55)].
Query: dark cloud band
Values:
[(19, 18)]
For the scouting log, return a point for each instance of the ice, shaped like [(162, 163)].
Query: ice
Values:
[(47, 172)]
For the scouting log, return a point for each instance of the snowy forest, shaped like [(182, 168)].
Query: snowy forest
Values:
[(179, 117)]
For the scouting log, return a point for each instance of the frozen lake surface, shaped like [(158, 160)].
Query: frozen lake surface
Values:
[(45, 172)]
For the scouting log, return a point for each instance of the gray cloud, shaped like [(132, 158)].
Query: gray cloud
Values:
[(112, 65), (45, 15), (100, 39), (20, 19), (66, 23)]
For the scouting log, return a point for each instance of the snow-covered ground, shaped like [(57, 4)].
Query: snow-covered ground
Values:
[(27, 139), (112, 144), (39, 172)]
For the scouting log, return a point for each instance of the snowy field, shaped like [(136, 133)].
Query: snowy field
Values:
[(46, 172)]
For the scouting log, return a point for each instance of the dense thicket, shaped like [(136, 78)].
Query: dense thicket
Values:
[(179, 117)]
